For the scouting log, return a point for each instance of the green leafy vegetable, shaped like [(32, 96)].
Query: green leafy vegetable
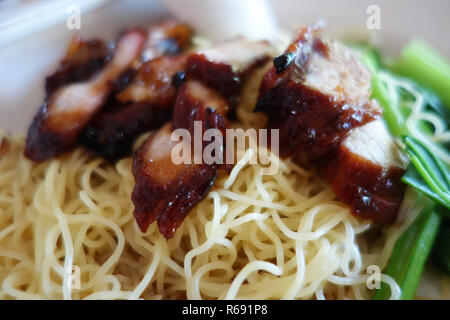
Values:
[(411, 253), (426, 67), (434, 103), (427, 173), (392, 114), (367, 54)]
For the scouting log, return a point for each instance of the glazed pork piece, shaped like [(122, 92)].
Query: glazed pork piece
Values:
[(168, 38), (318, 95), (166, 191), (197, 102), (366, 172), (56, 127), (146, 102), (226, 65), (83, 59)]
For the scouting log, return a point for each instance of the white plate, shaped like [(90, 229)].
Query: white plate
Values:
[(24, 65)]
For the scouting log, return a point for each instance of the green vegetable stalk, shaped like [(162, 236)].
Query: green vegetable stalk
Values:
[(411, 253), (392, 114), (426, 172), (426, 67)]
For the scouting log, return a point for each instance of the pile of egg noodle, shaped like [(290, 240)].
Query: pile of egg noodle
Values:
[(67, 231)]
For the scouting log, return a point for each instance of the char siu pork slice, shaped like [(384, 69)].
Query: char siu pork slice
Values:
[(168, 38), (145, 104), (366, 173), (146, 100), (225, 66), (56, 127), (83, 59), (315, 95), (213, 80), (197, 102), (166, 191), (318, 95)]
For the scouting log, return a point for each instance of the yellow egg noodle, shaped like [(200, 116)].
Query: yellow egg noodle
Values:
[(284, 231)]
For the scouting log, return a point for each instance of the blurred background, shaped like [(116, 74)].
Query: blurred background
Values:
[(34, 33)]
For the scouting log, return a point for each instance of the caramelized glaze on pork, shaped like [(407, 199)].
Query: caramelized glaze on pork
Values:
[(227, 65), (318, 95), (56, 127), (146, 100), (166, 192), (83, 59), (145, 104)]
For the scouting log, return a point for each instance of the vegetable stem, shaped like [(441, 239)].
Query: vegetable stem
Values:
[(426, 67), (392, 115), (411, 252), (427, 173)]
